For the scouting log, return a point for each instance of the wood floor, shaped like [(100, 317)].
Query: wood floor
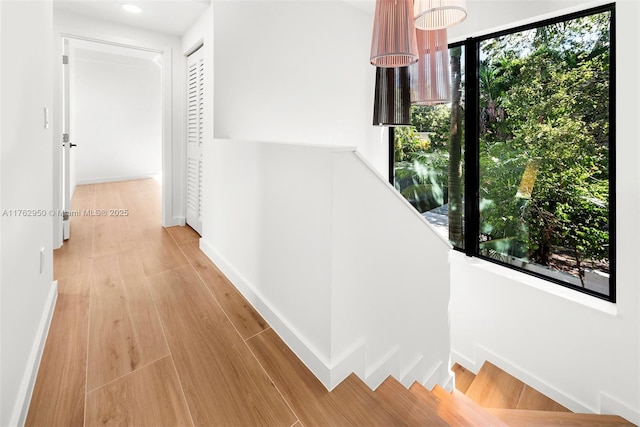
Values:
[(148, 332)]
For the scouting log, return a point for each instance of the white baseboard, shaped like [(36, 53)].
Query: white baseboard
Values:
[(468, 364), (449, 385), (296, 341), (482, 355), (19, 414), (351, 361), (440, 374), (414, 372), (103, 179), (389, 364), (611, 405), (608, 404), (176, 220)]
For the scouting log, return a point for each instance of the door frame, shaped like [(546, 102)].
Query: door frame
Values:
[(168, 146)]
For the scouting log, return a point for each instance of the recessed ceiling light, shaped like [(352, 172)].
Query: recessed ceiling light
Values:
[(131, 8)]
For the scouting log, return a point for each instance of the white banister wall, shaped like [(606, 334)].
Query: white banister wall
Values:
[(266, 224), (343, 269), (390, 279)]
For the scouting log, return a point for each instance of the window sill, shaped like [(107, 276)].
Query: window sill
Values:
[(542, 285)]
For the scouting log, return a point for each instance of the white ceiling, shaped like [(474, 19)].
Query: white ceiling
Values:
[(164, 16)]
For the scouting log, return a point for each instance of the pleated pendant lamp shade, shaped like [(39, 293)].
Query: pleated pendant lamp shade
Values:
[(430, 76), (392, 103), (437, 14), (393, 43)]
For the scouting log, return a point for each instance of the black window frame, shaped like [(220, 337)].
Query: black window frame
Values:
[(472, 141)]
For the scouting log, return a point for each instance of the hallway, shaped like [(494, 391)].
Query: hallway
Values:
[(135, 330), (147, 331)]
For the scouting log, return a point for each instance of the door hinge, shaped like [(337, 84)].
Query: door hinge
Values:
[(65, 59), (65, 137)]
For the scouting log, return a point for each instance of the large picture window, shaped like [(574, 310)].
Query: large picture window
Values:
[(428, 157), (536, 145)]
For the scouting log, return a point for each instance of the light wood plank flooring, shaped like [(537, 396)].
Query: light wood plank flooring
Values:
[(146, 330)]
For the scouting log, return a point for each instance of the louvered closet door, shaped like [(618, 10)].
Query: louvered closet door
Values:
[(195, 117)]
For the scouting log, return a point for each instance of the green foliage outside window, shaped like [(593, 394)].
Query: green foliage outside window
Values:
[(422, 157), (544, 97)]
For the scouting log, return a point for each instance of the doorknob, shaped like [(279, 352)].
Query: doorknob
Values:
[(71, 145)]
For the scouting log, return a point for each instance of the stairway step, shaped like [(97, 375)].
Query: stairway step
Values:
[(350, 403), (472, 413), (413, 409), (528, 418), (365, 406), (427, 397), (532, 399), (458, 412), (494, 388), (464, 377)]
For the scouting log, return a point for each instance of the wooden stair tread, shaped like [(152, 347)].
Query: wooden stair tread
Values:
[(464, 377), (350, 403), (458, 410), (494, 388), (454, 410), (532, 399), (427, 397), (365, 407), (413, 409), (529, 418)]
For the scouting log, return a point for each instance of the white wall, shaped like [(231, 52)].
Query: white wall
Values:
[(315, 85), (296, 72), (173, 75), (117, 116), (342, 267), (270, 230), (581, 351), (27, 294), (390, 280)]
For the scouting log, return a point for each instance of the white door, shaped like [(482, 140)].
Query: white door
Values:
[(66, 143), (195, 118)]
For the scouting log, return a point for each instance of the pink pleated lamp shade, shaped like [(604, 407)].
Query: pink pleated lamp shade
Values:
[(437, 14), (430, 76), (394, 42)]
